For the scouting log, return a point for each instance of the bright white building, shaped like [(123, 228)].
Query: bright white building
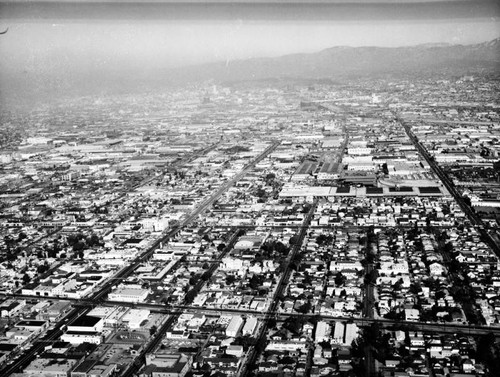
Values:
[(234, 326), (129, 294), (250, 326), (323, 330), (338, 334), (135, 317)]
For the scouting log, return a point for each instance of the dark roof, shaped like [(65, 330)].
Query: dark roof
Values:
[(343, 190), (402, 189), (85, 366), (61, 345), (7, 346), (82, 333), (85, 321), (30, 322), (429, 190), (10, 306), (306, 167), (330, 167), (133, 241), (374, 190), (83, 348)]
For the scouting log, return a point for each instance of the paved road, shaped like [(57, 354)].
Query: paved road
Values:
[(156, 339), (283, 281), (369, 300), (160, 333), (40, 344), (99, 295), (471, 215), (341, 227), (212, 311)]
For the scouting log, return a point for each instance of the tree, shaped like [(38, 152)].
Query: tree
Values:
[(52, 253), (245, 341), (79, 245), (467, 200), (260, 193), (42, 268), (340, 279), (260, 345), (190, 295), (385, 169), (270, 176), (152, 330), (256, 281), (74, 238), (397, 285), (371, 333), (230, 279), (94, 240), (304, 308), (415, 288), (9, 242), (279, 247), (371, 277), (26, 279), (294, 324), (287, 360), (440, 295), (485, 345), (448, 247), (193, 280), (307, 279), (323, 239), (294, 239), (394, 314)]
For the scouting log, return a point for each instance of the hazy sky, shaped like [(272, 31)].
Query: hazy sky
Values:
[(174, 34), (69, 37)]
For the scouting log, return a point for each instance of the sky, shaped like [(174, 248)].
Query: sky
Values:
[(171, 34), (71, 38)]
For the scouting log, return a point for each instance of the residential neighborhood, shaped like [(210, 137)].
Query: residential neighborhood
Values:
[(291, 230)]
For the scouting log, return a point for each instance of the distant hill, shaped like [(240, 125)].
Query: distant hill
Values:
[(335, 61), (336, 64)]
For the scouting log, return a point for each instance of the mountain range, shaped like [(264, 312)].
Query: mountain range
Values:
[(348, 61), (336, 64)]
